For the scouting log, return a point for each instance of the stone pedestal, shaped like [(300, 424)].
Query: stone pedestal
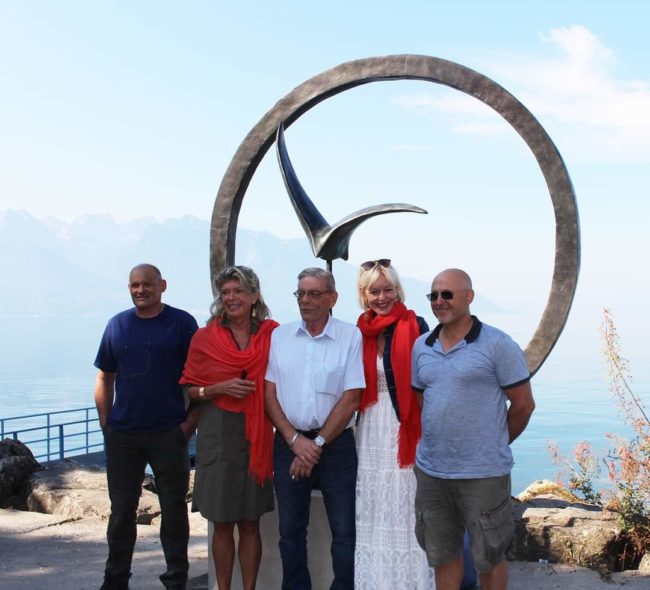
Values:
[(270, 576)]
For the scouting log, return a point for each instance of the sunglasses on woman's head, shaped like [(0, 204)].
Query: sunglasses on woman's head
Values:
[(370, 264)]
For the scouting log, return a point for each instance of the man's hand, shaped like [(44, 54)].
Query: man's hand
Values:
[(306, 450), (187, 429), (299, 470), (188, 426)]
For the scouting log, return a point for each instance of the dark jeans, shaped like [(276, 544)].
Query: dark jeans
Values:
[(127, 455), (336, 475)]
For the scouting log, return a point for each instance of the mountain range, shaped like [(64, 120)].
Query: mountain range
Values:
[(80, 268)]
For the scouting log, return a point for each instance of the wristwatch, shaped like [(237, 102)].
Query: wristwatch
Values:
[(319, 440), (201, 392)]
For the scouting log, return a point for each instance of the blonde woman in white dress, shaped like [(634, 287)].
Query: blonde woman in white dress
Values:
[(387, 554)]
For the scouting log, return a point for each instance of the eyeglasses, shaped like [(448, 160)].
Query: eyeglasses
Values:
[(370, 264), (446, 295), (311, 294)]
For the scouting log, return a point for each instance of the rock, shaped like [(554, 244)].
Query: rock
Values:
[(550, 527), (16, 464), (14, 448), (78, 491), (546, 486), (644, 565), (150, 484), (190, 490), (21, 522)]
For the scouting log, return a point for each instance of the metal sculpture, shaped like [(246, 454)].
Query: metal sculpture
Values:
[(327, 241), (417, 67)]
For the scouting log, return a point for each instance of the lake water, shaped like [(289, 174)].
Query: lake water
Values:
[(47, 365)]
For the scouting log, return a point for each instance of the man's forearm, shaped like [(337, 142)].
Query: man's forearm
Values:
[(275, 413), (517, 421), (341, 414), (305, 449), (104, 392), (521, 409)]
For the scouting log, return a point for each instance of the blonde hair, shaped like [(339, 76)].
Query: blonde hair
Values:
[(368, 277), (249, 282)]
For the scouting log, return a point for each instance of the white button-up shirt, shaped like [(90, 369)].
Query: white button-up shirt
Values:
[(312, 372)]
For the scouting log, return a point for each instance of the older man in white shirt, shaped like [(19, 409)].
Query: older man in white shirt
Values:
[(313, 387)]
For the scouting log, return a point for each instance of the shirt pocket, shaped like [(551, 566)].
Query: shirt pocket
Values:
[(328, 380)]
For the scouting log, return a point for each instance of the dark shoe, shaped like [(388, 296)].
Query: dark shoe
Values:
[(173, 584), (112, 585)]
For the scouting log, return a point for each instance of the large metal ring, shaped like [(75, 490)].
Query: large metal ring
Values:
[(417, 67)]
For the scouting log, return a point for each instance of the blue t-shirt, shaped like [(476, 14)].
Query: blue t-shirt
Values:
[(147, 355), (464, 414)]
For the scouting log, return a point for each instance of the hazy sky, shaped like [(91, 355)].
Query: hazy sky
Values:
[(136, 109)]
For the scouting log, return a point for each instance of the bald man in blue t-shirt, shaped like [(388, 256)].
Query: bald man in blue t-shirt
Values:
[(142, 414)]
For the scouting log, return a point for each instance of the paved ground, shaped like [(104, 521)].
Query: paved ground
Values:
[(43, 552), (39, 551)]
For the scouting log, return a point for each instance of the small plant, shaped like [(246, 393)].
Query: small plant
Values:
[(580, 473), (627, 462)]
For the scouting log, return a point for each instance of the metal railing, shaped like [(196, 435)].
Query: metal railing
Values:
[(66, 433), (54, 436)]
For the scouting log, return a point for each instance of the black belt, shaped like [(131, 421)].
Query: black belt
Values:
[(311, 434)]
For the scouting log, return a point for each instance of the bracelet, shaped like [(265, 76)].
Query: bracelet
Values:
[(201, 392), (293, 439)]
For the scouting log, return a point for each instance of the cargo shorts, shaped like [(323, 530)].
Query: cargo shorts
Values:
[(445, 508)]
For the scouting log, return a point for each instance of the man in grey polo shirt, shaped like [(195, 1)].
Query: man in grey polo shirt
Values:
[(476, 399)]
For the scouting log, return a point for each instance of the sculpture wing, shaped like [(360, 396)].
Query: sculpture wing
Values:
[(327, 242), (310, 217), (336, 240)]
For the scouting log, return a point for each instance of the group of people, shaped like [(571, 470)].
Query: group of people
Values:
[(405, 430)]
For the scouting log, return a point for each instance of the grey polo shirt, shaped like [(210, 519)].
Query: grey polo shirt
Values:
[(464, 424)]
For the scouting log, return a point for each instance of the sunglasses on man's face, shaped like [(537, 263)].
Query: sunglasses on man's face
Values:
[(446, 295), (370, 264)]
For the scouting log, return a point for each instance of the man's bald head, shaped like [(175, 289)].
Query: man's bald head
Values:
[(146, 286), (146, 268), (456, 276), (451, 296)]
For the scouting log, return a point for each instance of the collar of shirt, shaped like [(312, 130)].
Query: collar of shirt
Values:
[(472, 335), (328, 330)]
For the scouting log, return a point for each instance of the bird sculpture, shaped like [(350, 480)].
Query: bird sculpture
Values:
[(327, 241)]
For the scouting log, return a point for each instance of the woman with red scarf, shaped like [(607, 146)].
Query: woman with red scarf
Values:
[(224, 374), (387, 554)]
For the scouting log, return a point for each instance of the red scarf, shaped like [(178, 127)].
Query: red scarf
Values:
[(406, 332), (214, 357)]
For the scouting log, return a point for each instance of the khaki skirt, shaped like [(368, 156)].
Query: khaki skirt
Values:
[(224, 489)]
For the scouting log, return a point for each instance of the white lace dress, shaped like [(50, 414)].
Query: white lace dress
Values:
[(387, 555)]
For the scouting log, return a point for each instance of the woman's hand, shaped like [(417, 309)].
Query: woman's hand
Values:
[(235, 387)]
